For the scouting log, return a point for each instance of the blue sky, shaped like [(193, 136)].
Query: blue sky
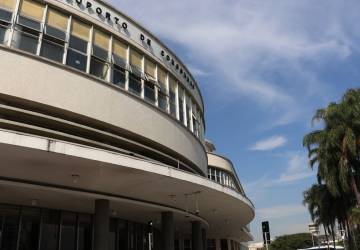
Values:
[(263, 67)]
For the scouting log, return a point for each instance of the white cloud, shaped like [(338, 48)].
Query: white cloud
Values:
[(255, 47), (282, 211), (269, 143), (295, 171)]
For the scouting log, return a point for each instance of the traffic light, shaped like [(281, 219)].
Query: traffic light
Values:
[(266, 232)]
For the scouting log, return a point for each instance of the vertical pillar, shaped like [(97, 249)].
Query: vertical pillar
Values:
[(101, 225), (196, 236), (167, 231), (204, 238)]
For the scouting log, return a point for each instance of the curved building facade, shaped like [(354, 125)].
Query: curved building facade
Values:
[(102, 138)]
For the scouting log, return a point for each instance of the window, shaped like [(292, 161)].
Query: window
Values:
[(211, 244), (149, 87), (77, 53), (187, 244), (181, 106), (30, 229), (223, 244), (26, 35), (162, 94), (149, 91), (56, 24), (50, 230), (85, 232), (68, 231), (31, 14), (150, 69), (119, 76), (52, 50), (119, 66), (99, 61), (4, 33), (26, 40), (6, 10), (172, 85), (54, 36), (135, 83), (188, 112), (136, 62), (9, 218)]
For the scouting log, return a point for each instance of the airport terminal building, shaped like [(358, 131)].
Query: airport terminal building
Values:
[(102, 138)]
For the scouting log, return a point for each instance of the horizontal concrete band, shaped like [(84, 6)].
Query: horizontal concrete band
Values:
[(54, 87), (110, 173)]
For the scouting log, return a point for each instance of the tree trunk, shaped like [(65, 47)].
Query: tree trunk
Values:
[(333, 236), (327, 238), (355, 189)]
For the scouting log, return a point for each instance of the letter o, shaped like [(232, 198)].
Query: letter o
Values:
[(98, 10), (124, 25)]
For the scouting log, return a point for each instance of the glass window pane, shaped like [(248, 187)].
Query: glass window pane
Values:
[(52, 51), (76, 60), (136, 59), (80, 30), (162, 100), (150, 68), (32, 9), (120, 49), (78, 44), (29, 23), (162, 77), (50, 230), (56, 24), (4, 35), (123, 234), (30, 229), (68, 231), (85, 232), (57, 20), (8, 4), (119, 77), (98, 68), (9, 233), (149, 92), (135, 84), (5, 15), (101, 39), (25, 41)]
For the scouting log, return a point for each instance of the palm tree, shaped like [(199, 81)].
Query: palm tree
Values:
[(335, 149), (322, 207)]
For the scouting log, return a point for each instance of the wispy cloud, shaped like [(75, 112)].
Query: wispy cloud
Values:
[(295, 170), (269, 143), (282, 211), (265, 51)]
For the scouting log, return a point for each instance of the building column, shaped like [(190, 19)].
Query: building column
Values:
[(101, 224), (167, 231), (196, 236), (204, 238)]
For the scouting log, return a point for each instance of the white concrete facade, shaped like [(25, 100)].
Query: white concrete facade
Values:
[(115, 140)]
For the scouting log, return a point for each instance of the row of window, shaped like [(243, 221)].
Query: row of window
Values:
[(31, 228), (44, 31), (222, 177)]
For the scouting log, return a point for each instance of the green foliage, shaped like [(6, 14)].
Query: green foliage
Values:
[(334, 151), (292, 242)]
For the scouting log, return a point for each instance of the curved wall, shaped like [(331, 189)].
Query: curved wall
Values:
[(55, 86), (220, 162)]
